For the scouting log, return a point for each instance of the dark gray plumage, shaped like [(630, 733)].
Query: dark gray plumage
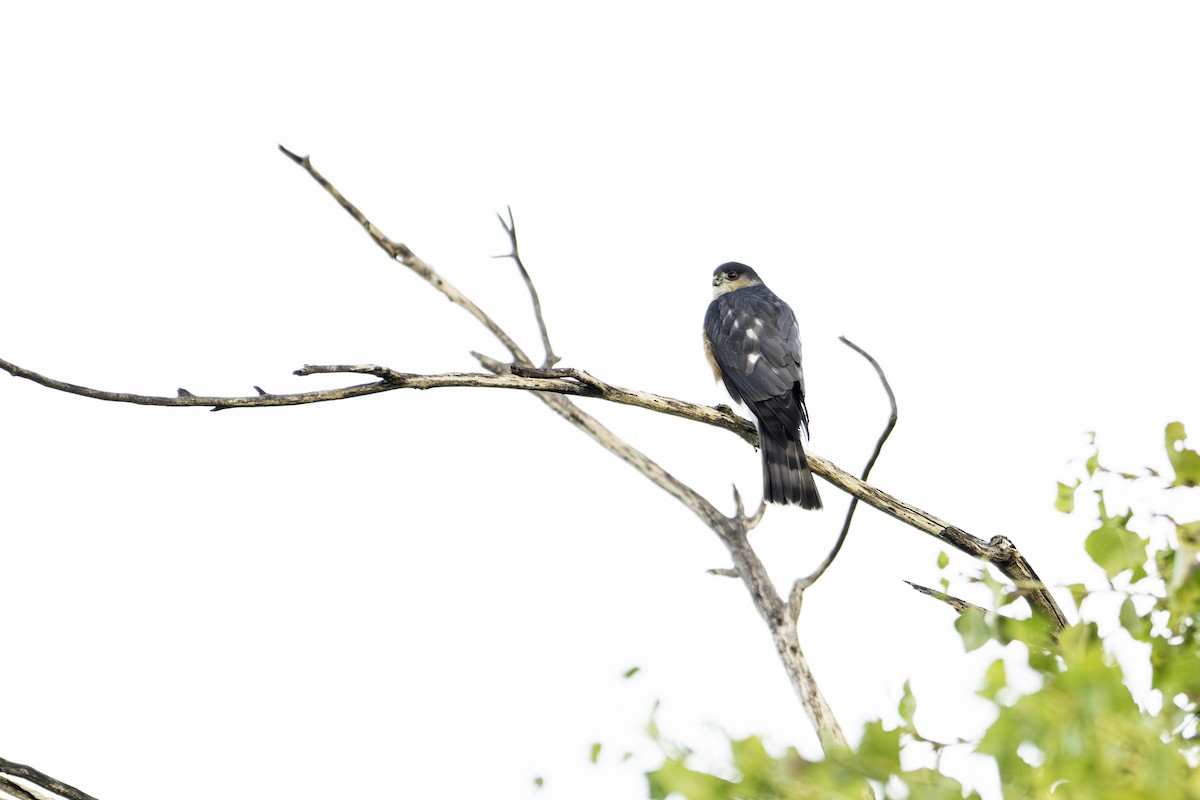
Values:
[(753, 344)]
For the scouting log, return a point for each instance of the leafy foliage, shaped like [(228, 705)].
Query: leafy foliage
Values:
[(1082, 733)]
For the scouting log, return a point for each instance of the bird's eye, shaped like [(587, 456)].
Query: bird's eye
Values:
[(731, 275)]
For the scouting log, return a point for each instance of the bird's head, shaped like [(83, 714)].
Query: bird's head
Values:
[(731, 276)]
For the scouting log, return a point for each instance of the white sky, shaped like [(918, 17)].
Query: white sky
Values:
[(435, 594)]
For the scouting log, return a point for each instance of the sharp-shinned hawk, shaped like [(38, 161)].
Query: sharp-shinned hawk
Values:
[(753, 344)]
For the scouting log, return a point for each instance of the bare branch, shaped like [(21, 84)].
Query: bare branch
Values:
[(747, 565), (959, 605), (558, 381), (16, 790), (185, 399), (892, 418), (757, 517), (510, 227), (804, 583), (408, 258), (999, 551), (796, 602), (391, 379), (43, 780)]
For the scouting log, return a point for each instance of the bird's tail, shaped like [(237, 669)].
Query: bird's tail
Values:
[(786, 475)]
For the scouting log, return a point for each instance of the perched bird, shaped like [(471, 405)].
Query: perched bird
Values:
[(753, 344)]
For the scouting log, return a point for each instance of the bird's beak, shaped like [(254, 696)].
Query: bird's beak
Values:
[(717, 279)]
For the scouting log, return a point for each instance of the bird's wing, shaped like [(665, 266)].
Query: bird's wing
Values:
[(755, 341)]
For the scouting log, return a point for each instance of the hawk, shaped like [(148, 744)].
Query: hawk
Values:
[(753, 344)]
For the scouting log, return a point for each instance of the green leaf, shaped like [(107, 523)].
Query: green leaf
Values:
[(538, 782), (1066, 497), (928, 784), (908, 706), (1078, 593), (629, 673), (1176, 669), (652, 726), (1183, 567), (943, 560), (1076, 641), (995, 679), (879, 751), (1185, 462), (973, 629), (1138, 626), (1188, 534), (1183, 596), (595, 755), (752, 760), (673, 777), (1035, 631), (1115, 548)]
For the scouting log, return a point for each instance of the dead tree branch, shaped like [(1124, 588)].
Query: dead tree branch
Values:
[(999, 551), (401, 253), (731, 530)]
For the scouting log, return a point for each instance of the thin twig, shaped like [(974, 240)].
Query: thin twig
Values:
[(510, 227), (557, 381), (958, 604), (804, 583)]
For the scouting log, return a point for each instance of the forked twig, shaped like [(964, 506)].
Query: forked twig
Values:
[(408, 258), (510, 227)]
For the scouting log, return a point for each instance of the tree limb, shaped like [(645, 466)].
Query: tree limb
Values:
[(1000, 551)]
